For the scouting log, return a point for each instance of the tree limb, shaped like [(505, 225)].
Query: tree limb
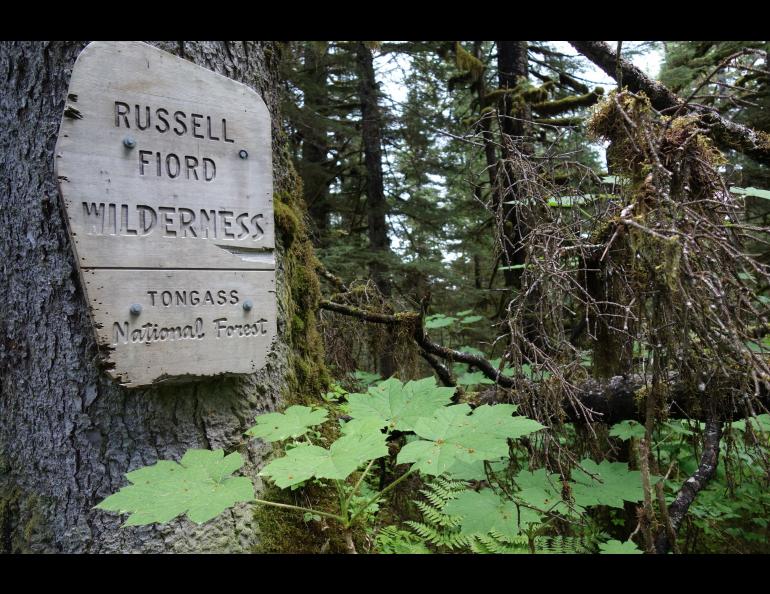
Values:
[(726, 133), (610, 401), (441, 370), (693, 485), (367, 315)]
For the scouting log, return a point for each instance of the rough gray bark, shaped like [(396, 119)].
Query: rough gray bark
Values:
[(68, 433)]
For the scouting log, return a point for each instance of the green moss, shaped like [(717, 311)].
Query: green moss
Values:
[(640, 397), (300, 292), (20, 520), (522, 93), (307, 378), (558, 106), (286, 221), (286, 531), (467, 62), (573, 121)]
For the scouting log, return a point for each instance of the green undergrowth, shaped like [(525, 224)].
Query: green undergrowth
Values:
[(306, 375)]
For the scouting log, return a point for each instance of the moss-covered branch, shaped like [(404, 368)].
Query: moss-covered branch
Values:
[(335, 280), (559, 122), (726, 133), (368, 315), (557, 106)]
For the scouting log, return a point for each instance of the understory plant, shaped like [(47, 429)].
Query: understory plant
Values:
[(480, 494)]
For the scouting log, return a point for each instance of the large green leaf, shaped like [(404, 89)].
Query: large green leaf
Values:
[(399, 405), (199, 485), (507, 371), (614, 484), (366, 378), (615, 547), (439, 321), (343, 457), (542, 491), (484, 511), (295, 421), (759, 423), (626, 430), (471, 319), (497, 421), (474, 471), (454, 434), (473, 378)]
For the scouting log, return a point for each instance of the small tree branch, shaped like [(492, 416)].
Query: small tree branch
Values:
[(332, 278), (441, 370), (693, 485), (368, 315)]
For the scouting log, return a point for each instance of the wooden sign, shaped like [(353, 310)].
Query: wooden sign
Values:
[(165, 170)]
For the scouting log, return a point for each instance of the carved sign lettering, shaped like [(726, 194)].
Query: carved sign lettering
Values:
[(165, 170)]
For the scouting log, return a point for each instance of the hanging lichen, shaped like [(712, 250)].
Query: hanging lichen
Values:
[(467, 62)]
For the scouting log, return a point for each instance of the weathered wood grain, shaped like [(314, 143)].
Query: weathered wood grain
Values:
[(166, 166)]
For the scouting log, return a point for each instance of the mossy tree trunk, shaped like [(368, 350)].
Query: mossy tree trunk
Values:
[(68, 433)]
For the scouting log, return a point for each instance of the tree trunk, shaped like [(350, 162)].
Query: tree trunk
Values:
[(314, 166), (512, 69), (68, 433), (377, 207)]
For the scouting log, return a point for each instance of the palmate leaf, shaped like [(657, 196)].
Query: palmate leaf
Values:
[(542, 492), (473, 378), (507, 371), (399, 405), (199, 485), (453, 434), (759, 423), (471, 319), (366, 378), (616, 484), (345, 455), (439, 321), (474, 471), (295, 421), (615, 547), (497, 421), (626, 430), (485, 510)]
